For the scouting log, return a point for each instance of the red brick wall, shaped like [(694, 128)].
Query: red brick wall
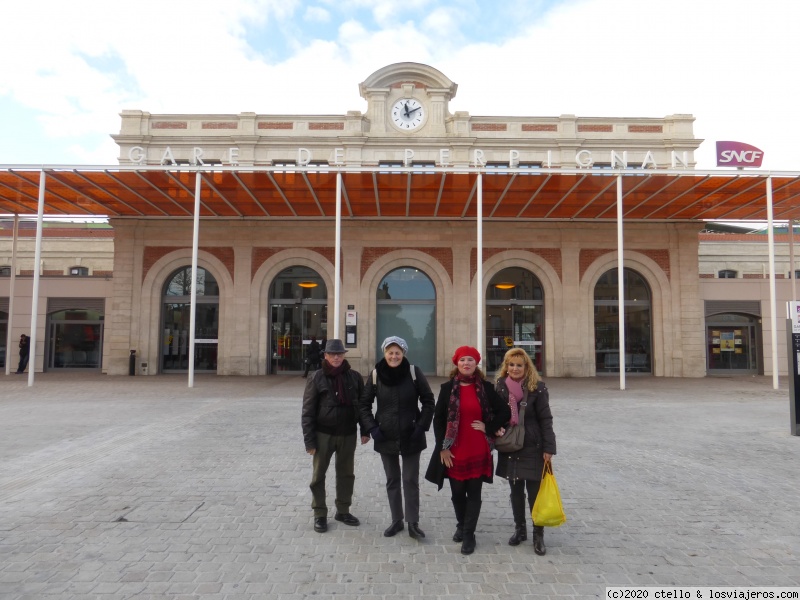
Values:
[(219, 125), (321, 126), (489, 127), (596, 128), (645, 129), (370, 254), (535, 127), (170, 125), (273, 125)]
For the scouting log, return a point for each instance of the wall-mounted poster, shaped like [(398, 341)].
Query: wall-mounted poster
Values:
[(726, 341)]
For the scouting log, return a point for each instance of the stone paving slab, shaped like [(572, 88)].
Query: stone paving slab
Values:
[(139, 488)]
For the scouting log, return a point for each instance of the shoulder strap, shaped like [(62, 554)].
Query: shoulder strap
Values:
[(374, 377), (413, 374)]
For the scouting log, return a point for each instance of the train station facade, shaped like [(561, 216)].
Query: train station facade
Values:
[(450, 229)]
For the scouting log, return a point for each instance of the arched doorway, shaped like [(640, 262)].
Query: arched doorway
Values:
[(514, 316), (298, 302), (638, 323), (175, 319), (406, 307)]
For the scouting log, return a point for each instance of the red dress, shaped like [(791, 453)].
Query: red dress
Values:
[(472, 458)]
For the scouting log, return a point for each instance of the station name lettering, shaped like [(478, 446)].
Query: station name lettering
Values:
[(583, 158)]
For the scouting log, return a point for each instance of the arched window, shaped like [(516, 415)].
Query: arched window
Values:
[(176, 313), (298, 302), (514, 316), (727, 274), (406, 307), (638, 323)]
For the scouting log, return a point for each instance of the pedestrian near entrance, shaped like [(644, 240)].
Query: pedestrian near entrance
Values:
[(519, 384), (24, 352), (468, 415), (330, 422), (312, 359), (403, 415)]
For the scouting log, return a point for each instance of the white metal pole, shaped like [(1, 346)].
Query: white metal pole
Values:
[(792, 270), (337, 260), (479, 279), (193, 301), (621, 285), (36, 269), (11, 285), (772, 299)]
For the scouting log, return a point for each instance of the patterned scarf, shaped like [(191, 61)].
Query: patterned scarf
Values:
[(337, 374), (515, 396), (453, 408)]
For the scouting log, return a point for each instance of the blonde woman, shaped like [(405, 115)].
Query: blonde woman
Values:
[(519, 384)]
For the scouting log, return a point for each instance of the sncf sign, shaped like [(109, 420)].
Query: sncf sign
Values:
[(737, 154)]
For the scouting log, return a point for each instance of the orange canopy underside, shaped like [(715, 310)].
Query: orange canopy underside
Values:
[(312, 194)]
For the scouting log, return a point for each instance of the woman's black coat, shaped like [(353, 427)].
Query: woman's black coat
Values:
[(501, 415), (398, 414), (528, 462)]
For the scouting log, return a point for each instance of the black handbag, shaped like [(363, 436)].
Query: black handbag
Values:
[(514, 437)]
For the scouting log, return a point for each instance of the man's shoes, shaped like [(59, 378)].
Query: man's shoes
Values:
[(321, 524), (347, 519), (394, 528), (415, 532), (458, 536)]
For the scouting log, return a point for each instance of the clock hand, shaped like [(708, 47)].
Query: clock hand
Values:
[(408, 112), (406, 106)]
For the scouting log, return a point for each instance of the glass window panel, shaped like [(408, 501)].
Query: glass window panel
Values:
[(298, 283), (638, 327), (180, 284), (406, 283), (514, 283), (406, 308)]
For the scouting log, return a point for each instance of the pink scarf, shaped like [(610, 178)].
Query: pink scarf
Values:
[(515, 396)]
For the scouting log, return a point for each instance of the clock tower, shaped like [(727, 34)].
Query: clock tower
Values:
[(406, 98)]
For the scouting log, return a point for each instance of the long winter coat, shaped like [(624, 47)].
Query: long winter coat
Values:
[(501, 414), (322, 412), (528, 462), (403, 405)]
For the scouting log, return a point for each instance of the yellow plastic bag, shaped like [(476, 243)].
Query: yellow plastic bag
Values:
[(547, 509)]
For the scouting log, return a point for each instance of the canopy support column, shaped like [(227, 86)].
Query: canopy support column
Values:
[(37, 262), (11, 284), (479, 276), (193, 301), (621, 285), (792, 271), (337, 259), (772, 296)]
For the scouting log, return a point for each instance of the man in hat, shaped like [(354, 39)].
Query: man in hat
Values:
[(330, 420)]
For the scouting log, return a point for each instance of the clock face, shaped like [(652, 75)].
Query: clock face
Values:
[(407, 114)]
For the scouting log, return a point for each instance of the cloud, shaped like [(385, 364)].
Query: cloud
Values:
[(728, 62)]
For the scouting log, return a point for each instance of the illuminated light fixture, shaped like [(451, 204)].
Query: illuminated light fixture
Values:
[(504, 286), (307, 284)]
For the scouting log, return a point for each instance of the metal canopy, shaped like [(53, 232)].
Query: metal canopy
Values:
[(391, 192)]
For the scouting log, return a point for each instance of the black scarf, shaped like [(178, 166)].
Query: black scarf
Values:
[(338, 375), (392, 376)]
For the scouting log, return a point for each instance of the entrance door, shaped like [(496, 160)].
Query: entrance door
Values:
[(293, 327), (74, 340), (514, 317), (731, 344), (298, 313)]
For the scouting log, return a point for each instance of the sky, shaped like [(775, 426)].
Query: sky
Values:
[(67, 69)]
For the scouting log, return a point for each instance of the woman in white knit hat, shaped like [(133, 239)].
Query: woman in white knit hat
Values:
[(404, 413)]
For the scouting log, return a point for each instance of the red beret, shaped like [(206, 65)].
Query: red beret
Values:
[(466, 351)]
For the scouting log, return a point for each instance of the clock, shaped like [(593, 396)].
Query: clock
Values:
[(407, 114)]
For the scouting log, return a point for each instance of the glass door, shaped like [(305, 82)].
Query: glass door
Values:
[(293, 326), (513, 326), (74, 345), (731, 346)]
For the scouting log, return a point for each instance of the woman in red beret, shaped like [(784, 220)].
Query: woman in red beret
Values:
[(469, 414)]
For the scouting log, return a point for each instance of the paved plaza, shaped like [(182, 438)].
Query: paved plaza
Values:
[(140, 487)]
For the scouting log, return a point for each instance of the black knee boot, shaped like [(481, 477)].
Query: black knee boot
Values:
[(538, 540), (473, 511), (459, 506), (520, 520)]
